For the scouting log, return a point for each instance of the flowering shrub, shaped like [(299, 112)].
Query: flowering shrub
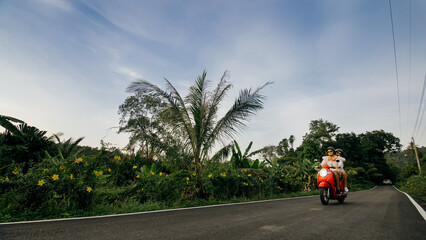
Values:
[(416, 186), (57, 185)]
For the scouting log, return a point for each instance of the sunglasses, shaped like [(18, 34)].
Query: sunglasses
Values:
[(329, 151)]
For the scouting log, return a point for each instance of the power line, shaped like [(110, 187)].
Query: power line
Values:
[(421, 135), (396, 67), (420, 106), (421, 119), (409, 70)]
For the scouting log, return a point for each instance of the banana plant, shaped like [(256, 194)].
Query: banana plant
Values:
[(240, 160), (145, 170), (6, 122)]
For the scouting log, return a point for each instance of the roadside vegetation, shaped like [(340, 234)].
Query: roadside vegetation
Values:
[(169, 163)]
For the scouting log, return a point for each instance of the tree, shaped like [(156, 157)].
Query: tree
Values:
[(282, 148), (375, 145), (195, 117), (323, 131), (350, 143), (321, 135), (141, 116), (291, 140)]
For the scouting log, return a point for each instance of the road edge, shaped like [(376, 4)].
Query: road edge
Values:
[(162, 210), (416, 205), (154, 211)]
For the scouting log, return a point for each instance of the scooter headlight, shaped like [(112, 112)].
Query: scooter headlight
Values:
[(323, 172)]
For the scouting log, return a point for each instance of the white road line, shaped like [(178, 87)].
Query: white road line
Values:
[(154, 211), (159, 211), (420, 209)]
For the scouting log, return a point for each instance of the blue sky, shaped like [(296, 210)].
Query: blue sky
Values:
[(65, 65)]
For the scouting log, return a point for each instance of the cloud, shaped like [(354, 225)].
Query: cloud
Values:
[(61, 4), (127, 72)]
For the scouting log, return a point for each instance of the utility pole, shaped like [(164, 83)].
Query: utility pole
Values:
[(417, 156)]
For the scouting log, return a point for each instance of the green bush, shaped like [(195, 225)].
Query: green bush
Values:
[(415, 186)]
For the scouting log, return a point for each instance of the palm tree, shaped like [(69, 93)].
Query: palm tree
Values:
[(69, 147), (195, 117)]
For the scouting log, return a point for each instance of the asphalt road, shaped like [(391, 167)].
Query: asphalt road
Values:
[(381, 213)]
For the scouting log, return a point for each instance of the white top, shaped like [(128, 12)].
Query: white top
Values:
[(334, 164)]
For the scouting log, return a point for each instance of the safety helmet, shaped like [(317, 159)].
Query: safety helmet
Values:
[(331, 148), (339, 150)]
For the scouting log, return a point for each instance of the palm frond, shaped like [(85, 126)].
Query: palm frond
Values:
[(245, 105), (222, 153), (213, 105)]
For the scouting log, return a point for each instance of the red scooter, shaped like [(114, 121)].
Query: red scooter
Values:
[(325, 182)]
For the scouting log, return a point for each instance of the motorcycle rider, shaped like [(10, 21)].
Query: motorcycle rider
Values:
[(334, 166), (339, 153)]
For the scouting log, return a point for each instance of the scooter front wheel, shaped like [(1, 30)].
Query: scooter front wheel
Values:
[(324, 195)]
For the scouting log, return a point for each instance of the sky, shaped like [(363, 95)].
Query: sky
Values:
[(65, 65)]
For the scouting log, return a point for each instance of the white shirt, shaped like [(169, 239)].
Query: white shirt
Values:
[(334, 164)]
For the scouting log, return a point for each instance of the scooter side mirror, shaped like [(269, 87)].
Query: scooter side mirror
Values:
[(315, 160)]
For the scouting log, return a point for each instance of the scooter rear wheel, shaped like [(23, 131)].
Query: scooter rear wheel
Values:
[(324, 195)]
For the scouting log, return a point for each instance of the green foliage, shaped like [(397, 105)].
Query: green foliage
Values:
[(142, 117), (7, 123), (26, 148), (194, 118), (321, 134), (41, 179), (240, 160), (415, 186)]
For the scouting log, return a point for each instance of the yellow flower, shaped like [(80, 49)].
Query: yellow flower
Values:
[(187, 179), (55, 177), (249, 175), (210, 175), (89, 189), (134, 167), (109, 169), (40, 183), (98, 173), (161, 173), (152, 173), (71, 176), (246, 184), (79, 160), (85, 164), (137, 176), (238, 175), (7, 179), (117, 158), (194, 174), (16, 171), (62, 167)]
